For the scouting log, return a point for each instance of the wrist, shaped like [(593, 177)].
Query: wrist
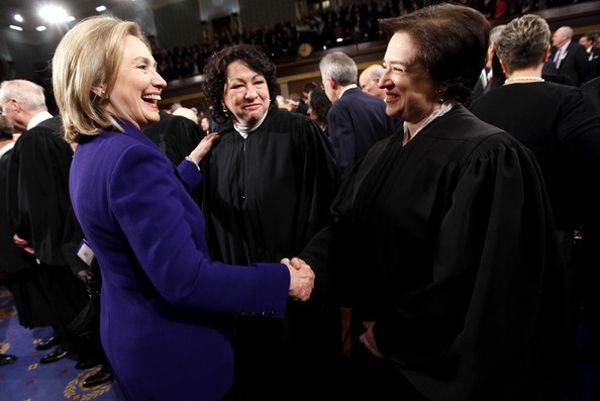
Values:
[(196, 163)]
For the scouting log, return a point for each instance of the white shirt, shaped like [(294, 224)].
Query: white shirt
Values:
[(562, 51), (38, 118), (347, 88)]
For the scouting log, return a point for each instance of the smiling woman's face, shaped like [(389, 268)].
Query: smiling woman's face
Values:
[(138, 86), (246, 93), (409, 92)]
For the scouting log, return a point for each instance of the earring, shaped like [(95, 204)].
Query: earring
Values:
[(103, 94), (441, 100), (225, 110)]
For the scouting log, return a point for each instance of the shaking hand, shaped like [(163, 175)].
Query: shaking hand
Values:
[(302, 278)]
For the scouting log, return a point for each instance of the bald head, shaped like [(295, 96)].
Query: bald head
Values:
[(562, 36), (369, 80)]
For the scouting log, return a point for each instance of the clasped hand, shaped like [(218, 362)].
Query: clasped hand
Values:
[(302, 278)]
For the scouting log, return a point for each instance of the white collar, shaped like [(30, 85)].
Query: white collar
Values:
[(6, 148), (351, 86), (38, 118), (244, 129), (563, 48), (444, 108)]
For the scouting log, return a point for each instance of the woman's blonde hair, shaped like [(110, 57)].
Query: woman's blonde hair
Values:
[(87, 57)]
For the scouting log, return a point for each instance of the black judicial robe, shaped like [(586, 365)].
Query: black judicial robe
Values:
[(176, 136), (561, 129), (13, 259), (20, 266), (267, 195), (264, 198), (41, 212), (38, 197), (447, 243)]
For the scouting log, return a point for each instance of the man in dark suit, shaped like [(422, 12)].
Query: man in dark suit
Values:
[(356, 119), (569, 58), (593, 53)]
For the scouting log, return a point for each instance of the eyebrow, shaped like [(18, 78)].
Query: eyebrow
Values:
[(396, 62), (145, 59), (244, 79)]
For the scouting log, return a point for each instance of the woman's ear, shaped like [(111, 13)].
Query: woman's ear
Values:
[(440, 93), (99, 91), (504, 67)]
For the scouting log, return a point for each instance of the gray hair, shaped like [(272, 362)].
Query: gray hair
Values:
[(29, 95), (375, 71), (565, 31), (495, 33), (524, 42), (339, 67)]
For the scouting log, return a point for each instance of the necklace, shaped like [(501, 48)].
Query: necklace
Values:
[(523, 79)]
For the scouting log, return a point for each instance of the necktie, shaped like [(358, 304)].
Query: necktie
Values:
[(557, 57)]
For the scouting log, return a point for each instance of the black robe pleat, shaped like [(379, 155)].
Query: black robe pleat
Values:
[(448, 244), (264, 198)]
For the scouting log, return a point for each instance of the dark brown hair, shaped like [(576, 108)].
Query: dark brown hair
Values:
[(452, 43), (215, 75), (6, 129)]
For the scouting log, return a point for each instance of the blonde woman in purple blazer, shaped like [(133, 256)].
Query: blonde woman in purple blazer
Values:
[(166, 307)]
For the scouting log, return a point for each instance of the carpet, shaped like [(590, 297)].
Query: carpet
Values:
[(27, 380)]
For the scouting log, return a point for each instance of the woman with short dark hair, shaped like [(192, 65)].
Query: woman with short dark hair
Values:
[(268, 186), (445, 236)]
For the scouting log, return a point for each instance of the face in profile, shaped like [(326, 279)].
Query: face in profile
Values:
[(409, 92), (246, 93), (138, 86), (204, 124), (369, 84)]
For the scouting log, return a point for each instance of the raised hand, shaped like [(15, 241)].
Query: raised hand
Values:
[(302, 278), (203, 147)]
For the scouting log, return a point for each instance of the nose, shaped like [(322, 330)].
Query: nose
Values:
[(158, 81), (250, 92), (385, 80)]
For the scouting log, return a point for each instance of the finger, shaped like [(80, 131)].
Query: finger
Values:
[(297, 260)]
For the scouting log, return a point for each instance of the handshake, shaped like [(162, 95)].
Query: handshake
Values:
[(302, 278)]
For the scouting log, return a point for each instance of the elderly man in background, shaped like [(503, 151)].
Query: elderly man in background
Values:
[(369, 80), (568, 62), (41, 213)]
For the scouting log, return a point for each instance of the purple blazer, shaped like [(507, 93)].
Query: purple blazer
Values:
[(166, 307)]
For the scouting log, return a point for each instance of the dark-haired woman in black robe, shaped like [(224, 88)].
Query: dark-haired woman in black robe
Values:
[(444, 243), (268, 186)]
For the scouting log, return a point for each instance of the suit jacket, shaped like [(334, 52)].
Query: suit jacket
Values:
[(574, 66), (593, 64), (166, 307), (355, 122)]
